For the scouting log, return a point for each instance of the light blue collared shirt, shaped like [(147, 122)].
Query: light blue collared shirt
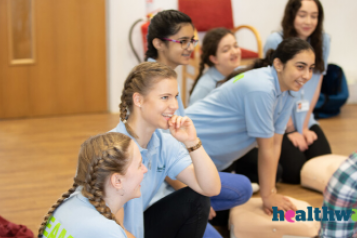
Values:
[(308, 90), (248, 106), (78, 218), (207, 83), (164, 156)]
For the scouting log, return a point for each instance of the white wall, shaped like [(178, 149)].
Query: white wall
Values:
[(340, 19)]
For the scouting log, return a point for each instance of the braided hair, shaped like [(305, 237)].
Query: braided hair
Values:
[(140, 80), (209, 47), (99, 157)]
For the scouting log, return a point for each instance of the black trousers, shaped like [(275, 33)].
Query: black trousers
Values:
[(183, 213), (292, 159), (248, 166)]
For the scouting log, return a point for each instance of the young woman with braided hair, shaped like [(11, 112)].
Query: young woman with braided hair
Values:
[(171, 42), (304, 139), (252, 108), (148, 104), (220, 52), (109, 173)]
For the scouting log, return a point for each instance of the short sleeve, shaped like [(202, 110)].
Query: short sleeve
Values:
[(177, 156), (272, 42), (199, 93), (326, 50), (283, 118), (258, 108)]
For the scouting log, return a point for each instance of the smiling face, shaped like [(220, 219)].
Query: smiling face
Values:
[(171, 53), (296, 71), (134, 174), (160, 104), (228, 55), (306, 19)]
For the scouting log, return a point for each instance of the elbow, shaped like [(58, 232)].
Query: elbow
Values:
[(213, 191)]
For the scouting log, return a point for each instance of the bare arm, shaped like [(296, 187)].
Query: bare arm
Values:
[(268, 157), (313, 103), (202, 175), (175, 183)]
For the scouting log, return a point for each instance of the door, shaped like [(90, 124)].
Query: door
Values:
[(65, 71)]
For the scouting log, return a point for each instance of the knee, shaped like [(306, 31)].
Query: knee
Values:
[(238, 188), (247, 189)]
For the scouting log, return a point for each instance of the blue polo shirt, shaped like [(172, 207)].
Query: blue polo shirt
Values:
[(76, 217), (248, 106), (181, 109), (308, 90), (164, 156), (207, 83)]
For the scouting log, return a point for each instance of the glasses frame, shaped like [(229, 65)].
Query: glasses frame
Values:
[(192, 41)]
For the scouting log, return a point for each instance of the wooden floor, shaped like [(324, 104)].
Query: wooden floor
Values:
[(38, 159)]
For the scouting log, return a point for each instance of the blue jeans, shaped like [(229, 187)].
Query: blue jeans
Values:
[(236, 189)]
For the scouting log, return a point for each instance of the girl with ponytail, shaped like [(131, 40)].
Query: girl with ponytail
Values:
[(252, 108), (304, 138), (220, 52), (108, 175)]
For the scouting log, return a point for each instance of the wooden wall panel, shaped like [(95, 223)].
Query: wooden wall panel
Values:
[(44, 100), (94, 41), (69, 76), (69, 80), (14, 79)]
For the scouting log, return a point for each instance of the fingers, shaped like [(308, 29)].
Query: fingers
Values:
[(212, 214), (172, 121), (267, 211), (288, 205)]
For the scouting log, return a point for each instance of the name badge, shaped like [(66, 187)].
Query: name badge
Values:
[(302, 106)]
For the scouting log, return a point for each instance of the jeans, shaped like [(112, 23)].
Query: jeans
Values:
[(236, 189)]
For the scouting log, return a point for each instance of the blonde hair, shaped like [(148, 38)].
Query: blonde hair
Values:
[(140, 80), (99, 157)]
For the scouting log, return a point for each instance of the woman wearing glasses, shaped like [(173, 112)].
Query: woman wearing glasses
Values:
[(171, 42)]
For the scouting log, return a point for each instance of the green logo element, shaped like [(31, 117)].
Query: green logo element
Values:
[(238, 77), (354, 216)]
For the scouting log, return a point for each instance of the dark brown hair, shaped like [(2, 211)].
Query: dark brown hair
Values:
[(209, 47), (316, 38), (163, 25), (99, 157), (286, 50), (140, 80)]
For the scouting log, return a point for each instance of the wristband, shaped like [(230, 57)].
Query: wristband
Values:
[(290, 132), (195, 147)]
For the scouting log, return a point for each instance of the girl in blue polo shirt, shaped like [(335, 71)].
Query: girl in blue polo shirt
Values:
[(253, 108), (171, 42), (220, 52), (109, 173), (304, 139), (148, 104)]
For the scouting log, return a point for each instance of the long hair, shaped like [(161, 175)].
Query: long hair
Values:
[(99, 157), (316, 38), (209, 47), (163, 25), (286, 50), (140, 80)]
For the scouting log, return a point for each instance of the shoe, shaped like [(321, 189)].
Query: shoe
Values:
[(255, 187)]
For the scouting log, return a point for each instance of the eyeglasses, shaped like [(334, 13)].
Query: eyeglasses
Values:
[(184, 43)]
